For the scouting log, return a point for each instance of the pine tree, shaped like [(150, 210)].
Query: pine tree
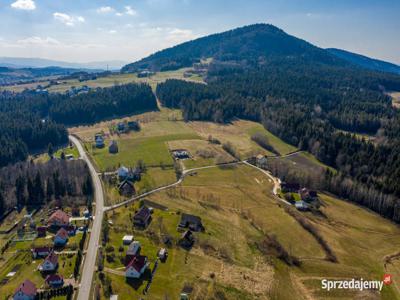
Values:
[(49, 190), (50, 150), (20, 191), (39, 190), (2, 204)]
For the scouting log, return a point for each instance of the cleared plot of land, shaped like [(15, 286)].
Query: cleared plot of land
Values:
[(202, 152), (239, 133), (303, 162), (396, 99)]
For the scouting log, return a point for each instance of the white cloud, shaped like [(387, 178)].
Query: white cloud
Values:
[(105, 10), (24, 4), (67, 19), (112, 31), (36, 40), (130, 11), (118, 14)]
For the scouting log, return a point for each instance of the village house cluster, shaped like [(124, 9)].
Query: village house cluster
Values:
[(58, 224)]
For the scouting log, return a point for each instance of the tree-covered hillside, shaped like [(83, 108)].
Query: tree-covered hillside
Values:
[(30, 121), (309, 102), (250, 45), (365, 62)]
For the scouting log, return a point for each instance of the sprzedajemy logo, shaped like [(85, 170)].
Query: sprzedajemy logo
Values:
[(356, 284)]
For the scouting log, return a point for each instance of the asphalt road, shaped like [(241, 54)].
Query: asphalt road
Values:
[(91, 253)]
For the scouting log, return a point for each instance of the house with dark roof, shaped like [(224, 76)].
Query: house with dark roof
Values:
[(26, 291), (126, 188), (50, 263), (99, 141), (261, 161), (121, 126), (143, 217), (136, 267), (54, 280), (113, 147), (133, 250), (180, 154), (187, 240), (40, 252), (134, 125), (190, 221), (41, 231), (308, 195), (58, 219), (61, 237)]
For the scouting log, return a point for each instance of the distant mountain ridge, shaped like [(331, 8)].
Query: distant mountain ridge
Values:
[(24, 62), (19, 75), (365, 62), (252, 44)]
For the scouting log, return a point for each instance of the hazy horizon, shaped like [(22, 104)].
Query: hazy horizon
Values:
[(103, 30)]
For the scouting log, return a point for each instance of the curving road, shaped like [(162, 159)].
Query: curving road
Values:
[(91, 253)]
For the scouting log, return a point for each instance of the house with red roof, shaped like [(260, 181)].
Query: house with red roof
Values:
[(136, 267), (26, 291), (50, 263), (61, 237), (58, 219), (54, 280), (39, 252)]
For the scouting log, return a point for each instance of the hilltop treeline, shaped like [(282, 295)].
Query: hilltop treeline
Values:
[(30, 121), (34, 184), (308, 108)]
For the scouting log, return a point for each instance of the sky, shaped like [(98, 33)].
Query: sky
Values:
[(127, 30)]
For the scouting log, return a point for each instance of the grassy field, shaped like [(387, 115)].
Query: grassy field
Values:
[(114, 79), (237, 210), (44, 157), (239, 133), (202, 153), (396, 99)]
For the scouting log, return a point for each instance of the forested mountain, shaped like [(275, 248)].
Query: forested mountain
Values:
[(30, 121), (10, 75), (365, 62), (251, 45), (308, 102), (35, 62)]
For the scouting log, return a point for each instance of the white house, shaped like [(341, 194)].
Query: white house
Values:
[(127, 239), (136, 267), (50, 263), (26, 291)]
